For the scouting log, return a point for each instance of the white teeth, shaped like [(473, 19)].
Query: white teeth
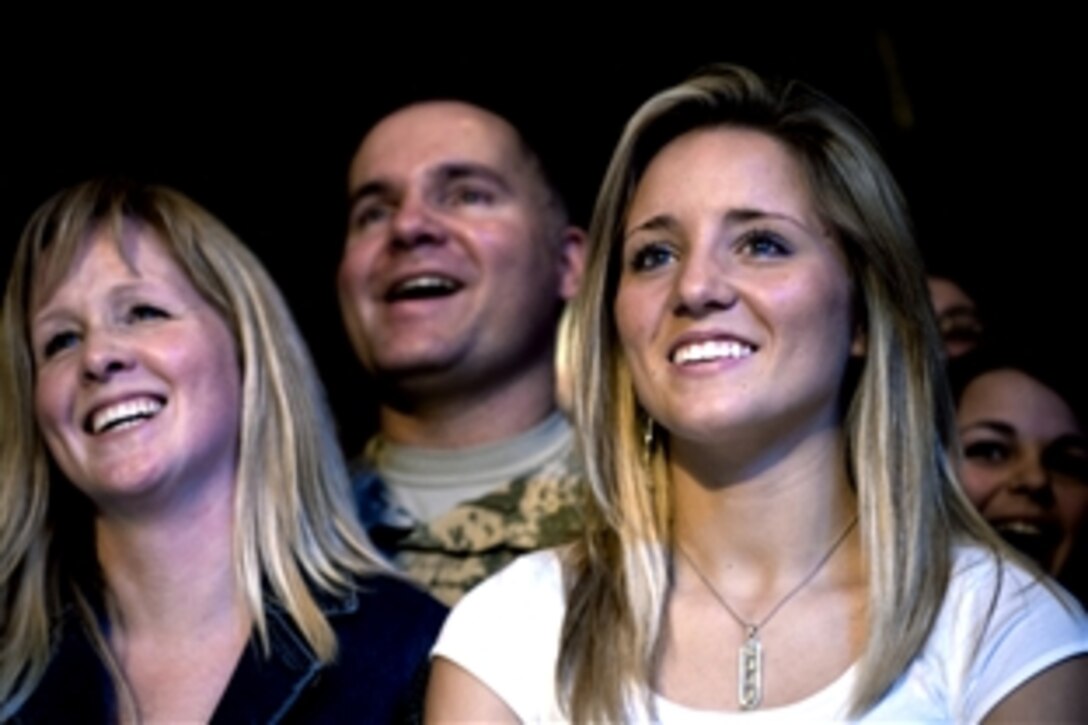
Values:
[(426, 282), (124, 414), (1022, 528), (710, 350)]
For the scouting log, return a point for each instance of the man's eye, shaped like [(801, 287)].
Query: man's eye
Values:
[(59, 342), (989, 452), (469, 195), (651, 256), (762, 243), (369, 214)]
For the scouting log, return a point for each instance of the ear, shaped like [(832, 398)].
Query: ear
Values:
[(572, 261), (859, 345)]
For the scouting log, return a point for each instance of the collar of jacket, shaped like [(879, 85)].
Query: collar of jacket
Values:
[(76, 686)]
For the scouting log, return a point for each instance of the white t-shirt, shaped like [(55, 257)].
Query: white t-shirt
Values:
[(506, 633)]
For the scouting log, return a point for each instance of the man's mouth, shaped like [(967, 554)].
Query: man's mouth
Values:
[(710, 350), (422, 287), (125, 414)]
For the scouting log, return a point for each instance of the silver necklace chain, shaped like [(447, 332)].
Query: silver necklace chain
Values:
[(750, 655)]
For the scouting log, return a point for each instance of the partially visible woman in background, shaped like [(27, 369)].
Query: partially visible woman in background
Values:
[(958, 318), (1025, 455), (775, 525), (176, 532)]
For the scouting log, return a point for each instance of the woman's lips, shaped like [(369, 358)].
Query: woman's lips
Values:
[(1038, 538), (128, 411), (709, 350)]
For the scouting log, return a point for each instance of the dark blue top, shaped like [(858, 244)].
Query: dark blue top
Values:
[(385, 630)]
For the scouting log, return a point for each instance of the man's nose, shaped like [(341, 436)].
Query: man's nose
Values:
[(415, 223)]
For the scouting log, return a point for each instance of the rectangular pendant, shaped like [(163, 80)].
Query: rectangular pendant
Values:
[(750, 673)]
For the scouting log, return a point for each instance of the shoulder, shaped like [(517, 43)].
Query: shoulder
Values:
[(505, 632), (1012, 598), (384, 630), (999, 626), (535, 579), (391, 611), (76, 685)]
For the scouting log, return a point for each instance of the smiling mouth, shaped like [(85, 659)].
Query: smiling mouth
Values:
[(1037, 540), (423, 287), (123, 415), (710, 350)]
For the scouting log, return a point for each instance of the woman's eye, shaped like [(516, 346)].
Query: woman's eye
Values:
[(988, 452), (651, 256), (146, 312), (761, 243), (1071, 461), (59, 342)]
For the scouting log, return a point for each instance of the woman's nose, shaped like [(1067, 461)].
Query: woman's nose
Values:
[(703, 286), (1032, 478), (104, 355)]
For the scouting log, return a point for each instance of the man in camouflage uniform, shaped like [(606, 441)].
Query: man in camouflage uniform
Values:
[(458, 262)]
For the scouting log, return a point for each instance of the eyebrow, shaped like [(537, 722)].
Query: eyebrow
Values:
[(659, 222), (468, 170), (742, 215), (48, 312), (994, 426), (444, 173), (959, 311), (370, 188), (1069, 440)]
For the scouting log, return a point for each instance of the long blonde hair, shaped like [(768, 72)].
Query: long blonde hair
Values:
[(898, 421), (294, 532)]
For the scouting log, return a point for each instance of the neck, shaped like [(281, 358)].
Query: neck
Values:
[(171, 574), (462, 418), (767, 521)]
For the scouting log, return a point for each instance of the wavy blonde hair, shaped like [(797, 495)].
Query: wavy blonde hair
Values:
[(294, 530), (898, 419)]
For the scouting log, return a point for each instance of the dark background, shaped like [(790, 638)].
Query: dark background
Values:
[(980, 121)]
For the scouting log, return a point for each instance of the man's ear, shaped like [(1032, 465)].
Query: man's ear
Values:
[(572, 261)]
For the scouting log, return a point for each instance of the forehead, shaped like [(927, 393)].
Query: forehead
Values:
[(725, 166), (415, 141), (126, 248), (946, 294), (1013, 397)]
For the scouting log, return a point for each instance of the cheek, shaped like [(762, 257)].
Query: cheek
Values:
[(819, 305), (630, 325), (979, 483), (49, 402), (1073, 505), (53, 408), (217, 386), (508, 250), (355, 267), (352, 285)]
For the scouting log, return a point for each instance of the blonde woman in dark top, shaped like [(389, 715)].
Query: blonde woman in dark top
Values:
[(176, 531)]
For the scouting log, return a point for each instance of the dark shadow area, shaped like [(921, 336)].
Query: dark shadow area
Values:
[(260, 127)]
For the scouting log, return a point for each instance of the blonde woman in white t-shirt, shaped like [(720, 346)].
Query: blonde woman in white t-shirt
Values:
[(776, 528)]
